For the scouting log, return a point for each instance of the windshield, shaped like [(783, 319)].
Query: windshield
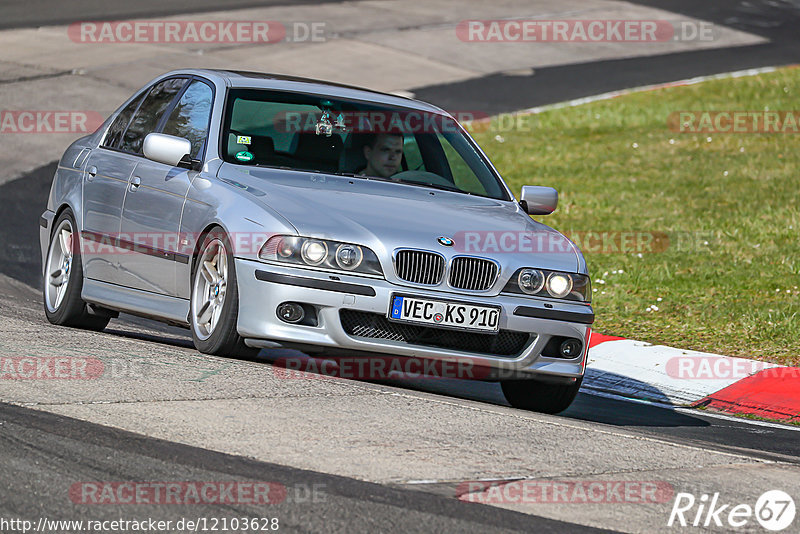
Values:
[(353, 138)]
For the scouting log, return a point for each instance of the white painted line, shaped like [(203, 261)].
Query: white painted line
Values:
[(621, 92), (755, 422)]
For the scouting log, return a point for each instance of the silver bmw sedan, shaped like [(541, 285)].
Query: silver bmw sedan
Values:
[(266, 211)]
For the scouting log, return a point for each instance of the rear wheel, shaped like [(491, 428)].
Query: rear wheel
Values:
[(215, 299), (63, 279), (540, 396)]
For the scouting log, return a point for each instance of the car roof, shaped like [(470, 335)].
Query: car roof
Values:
[(262, 80)]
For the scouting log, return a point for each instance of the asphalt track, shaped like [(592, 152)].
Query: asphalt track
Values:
[(33, 13), (775, 20), (26, 197), (43, 453)]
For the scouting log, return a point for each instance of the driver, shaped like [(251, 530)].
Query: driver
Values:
[(384, 155)]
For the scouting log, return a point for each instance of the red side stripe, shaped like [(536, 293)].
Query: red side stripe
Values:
[(772, 393), (596, 339)]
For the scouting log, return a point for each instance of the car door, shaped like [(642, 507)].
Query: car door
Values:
[(151, 215), (106, 172)]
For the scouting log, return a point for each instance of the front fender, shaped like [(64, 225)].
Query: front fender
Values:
[(244, 214)]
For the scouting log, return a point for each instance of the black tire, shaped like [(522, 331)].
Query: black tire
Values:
[(70, 310), (224, 340), (540, 396)]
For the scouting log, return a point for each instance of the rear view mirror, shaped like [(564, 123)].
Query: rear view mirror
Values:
[(538, 200), (166, 149)]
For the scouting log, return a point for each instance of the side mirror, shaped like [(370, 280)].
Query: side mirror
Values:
[(166, 149), (538, 200)]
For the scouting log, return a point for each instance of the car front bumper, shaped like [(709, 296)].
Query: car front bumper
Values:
[(263, 287)]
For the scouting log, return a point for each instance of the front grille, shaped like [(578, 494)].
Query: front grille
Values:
[(419, 267), (474, 274), (376, 326)]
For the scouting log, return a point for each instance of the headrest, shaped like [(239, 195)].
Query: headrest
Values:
[(262, 146), (352, 158), (311, 146)]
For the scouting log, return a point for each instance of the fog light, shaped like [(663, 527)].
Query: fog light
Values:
[(570, 348), (291, 312)]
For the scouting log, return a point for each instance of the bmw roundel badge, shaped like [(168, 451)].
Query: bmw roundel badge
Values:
[(445, 241)]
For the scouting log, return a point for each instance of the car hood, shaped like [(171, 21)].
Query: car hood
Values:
[(385, 216)]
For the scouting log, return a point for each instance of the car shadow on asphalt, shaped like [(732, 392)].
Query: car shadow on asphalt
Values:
[(586, 407)]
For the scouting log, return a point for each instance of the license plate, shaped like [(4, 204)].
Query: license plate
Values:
[(445, 314)]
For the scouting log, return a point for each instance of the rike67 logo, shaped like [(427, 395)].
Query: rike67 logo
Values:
[(774, 510)]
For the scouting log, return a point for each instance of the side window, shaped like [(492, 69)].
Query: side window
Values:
[(191, 116), (117, 128), (151, 110)]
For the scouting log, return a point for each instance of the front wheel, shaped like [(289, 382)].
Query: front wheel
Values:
[(540, 396), (63, 279), (215, 300)]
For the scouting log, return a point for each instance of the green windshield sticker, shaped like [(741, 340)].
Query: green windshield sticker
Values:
[(244, 155), (243, 139)]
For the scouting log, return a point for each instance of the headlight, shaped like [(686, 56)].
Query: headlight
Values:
[(550, 284), (349, 257), (314, 252), (321, 253), (559, 285), (530, 281), (286, 246)]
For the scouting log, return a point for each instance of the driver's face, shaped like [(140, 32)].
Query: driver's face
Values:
[(383, 160)]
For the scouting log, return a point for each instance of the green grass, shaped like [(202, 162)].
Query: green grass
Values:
[(738, 295)]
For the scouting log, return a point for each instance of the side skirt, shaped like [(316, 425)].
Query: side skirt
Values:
[(144, 303)]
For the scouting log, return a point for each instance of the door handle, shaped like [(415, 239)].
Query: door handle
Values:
[(91, 173), (135, 183)]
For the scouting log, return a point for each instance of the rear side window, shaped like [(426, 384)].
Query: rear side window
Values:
[(117, 128), (191, 116), (150, 112)]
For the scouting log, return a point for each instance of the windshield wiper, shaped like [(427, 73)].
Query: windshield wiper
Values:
[(286, 168), (362, 176), (438, 186)]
